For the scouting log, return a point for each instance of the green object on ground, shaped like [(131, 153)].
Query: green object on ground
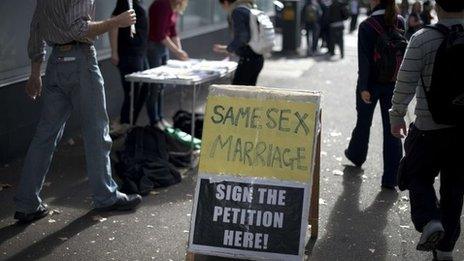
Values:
[(183, 137)]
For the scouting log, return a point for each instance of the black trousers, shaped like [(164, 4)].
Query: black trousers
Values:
[(129, 64), (353, 22), (336, 38), (359, 143), (248, 70), (428, 154)]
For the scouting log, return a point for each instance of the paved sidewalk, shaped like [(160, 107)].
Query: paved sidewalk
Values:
[(358, 221)]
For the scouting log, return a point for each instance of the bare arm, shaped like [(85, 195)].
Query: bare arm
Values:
[(171, 45), (125, 19), (177, 42), (113, 34)]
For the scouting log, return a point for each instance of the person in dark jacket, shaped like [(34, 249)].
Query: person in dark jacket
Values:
[(312, 15), (250, 63), (369, 92), (426, 15), (414, 25), (338, 13), (128, 53)]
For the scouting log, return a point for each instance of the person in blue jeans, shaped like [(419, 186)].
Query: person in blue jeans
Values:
[(72, 81), (128, 53), (369, 92), (163, 38)]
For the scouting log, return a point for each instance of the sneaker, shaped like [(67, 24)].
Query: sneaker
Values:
[(125, 203), (442, 255), (432, 234), (357, 164), (30, 217)]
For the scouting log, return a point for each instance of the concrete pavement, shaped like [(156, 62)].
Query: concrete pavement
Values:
[(358, 221)]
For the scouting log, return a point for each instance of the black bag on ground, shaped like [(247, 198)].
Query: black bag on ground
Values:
[(445, 95), (179, 153), (389, 51), (183, 121), (144, 162)]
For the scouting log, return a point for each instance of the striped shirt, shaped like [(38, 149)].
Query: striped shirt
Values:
[(418, 61), (59, 22)]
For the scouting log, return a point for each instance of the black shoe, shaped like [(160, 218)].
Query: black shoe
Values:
[(357, 164), (129, 202), (432, 233), (28, 218)]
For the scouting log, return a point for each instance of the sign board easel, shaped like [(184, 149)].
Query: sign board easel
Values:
[(258, 183)]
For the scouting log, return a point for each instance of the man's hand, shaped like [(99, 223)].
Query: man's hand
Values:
[(115, 59), (219, 48), (126, 19), (399, 130), (182, 55), (366, 97), (34, 86)]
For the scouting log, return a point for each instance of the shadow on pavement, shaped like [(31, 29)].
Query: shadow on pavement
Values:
[(11, 231), (352, 233), (45, 246)]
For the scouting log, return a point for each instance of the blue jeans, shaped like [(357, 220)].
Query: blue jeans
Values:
[(157, 55), (359, 143), (70, 84)]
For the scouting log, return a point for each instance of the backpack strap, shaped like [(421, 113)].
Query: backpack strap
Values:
[(375, 25), (443, 29)]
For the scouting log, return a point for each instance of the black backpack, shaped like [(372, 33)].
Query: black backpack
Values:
[(144, 162), (183, 121), (445, 95), (388, 52)]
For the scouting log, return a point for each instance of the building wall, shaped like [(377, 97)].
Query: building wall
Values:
[(19, 115)]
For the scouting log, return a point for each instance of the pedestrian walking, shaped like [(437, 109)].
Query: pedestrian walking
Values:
[(377, 68), (128, 53), (416, 8), (432, 72), (426, 14), (404, 8), (414, 25), (163, 37), (354, 7), (338, 13), (312, 14), (250, 63), (72, 80)]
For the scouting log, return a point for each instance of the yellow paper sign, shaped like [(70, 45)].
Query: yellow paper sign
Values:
[(265, 138)]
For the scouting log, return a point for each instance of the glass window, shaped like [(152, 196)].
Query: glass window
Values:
[(197, 14)]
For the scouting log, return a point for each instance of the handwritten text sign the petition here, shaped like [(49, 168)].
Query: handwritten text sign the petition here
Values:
[(265, 136)]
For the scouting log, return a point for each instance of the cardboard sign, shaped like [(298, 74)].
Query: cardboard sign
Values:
[(252, 195)]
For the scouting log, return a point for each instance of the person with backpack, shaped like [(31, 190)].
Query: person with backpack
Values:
[(432, 72), (312, 14), (381, 46), (128, 53), (250, 62), (338, 13)]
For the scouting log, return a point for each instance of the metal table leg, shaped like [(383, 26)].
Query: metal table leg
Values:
[(132, 104), (192, 130)]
